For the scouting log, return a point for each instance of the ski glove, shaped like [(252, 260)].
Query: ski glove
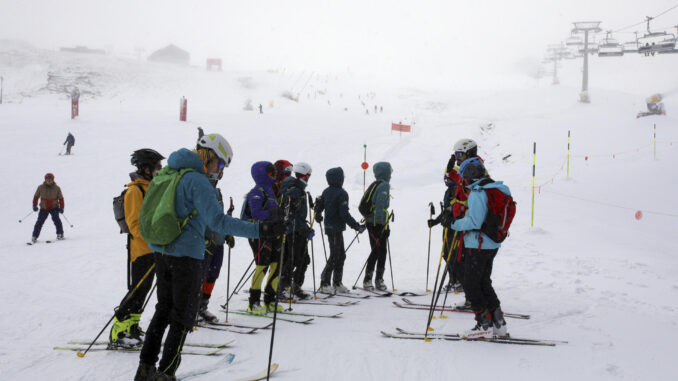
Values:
[(35, 208), (311, 234), (433, 222), (446, 218), (61, 210), (230, 241), (271, 229), (361, 229)]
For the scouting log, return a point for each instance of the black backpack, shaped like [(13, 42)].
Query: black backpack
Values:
[(119, 209), (366, 206)]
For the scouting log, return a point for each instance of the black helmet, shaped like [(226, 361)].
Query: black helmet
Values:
[(472, 170), (145, 157)]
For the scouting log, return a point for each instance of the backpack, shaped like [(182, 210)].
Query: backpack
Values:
[(500, 212), (366, 206), (245, 212), (119, 209), (158, 220)]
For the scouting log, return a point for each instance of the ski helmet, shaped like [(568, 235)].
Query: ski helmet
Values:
[(219, 145), (302, 169), (467, 147), (472, 170), (283, 170), (145, 157)]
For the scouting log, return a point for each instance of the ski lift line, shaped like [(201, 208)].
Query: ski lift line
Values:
[(611, 205), (644, 21)]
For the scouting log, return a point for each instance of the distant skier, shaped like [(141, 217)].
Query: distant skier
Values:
[(334, 202), (376, 221), (125, 331), (261, 109), (70, 142), (51, 203)]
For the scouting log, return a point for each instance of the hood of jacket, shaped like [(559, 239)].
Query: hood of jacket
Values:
[(382, 171), (335, 177), (259, 175), (185, 158)]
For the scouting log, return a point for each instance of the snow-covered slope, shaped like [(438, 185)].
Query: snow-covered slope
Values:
[(588, 272)]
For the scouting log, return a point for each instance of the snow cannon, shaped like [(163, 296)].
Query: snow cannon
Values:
[(654, 106)]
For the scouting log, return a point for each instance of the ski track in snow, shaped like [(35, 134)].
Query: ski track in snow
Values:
[(587, 273)]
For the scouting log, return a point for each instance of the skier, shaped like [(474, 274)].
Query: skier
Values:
[(179, 264), (298, 231), (261, 109), (125, 331), (261, 205), (51, 203), (377, 226), (214, 253), (70, 142), (454, 267), (480, 252), (334, 201)]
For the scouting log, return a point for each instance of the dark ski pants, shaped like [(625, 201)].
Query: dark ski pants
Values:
[(266, 257), (68, 149), (42, 216), (378, 243), (179, 280), (296, 260), (138, 269), (477, 282), (335, 264)]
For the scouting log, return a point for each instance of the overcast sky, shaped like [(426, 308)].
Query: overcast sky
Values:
[(391, 38)]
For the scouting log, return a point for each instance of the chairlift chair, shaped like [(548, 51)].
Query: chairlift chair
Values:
[(609, 47), (656, 42)]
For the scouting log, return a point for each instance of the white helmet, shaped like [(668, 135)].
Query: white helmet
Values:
[(219, 145), (466, 146), (302, 168)]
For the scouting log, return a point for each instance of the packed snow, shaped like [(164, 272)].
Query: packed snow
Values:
[(588, 272)]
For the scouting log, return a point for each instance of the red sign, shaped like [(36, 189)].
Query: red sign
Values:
[(183, 106), (364, 165), (401, 127)]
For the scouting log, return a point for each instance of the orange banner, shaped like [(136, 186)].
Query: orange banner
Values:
[(401, 127)]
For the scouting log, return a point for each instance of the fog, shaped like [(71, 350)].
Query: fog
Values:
[(428, 41)]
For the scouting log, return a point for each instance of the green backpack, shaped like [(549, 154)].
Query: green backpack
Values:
[(158, 220)]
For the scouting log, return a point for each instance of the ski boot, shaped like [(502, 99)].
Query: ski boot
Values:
[(458, 288), (341, 289), (381, 286), (203, 313), (135, 330), (121, 336), (448, 287), (483, 328), (326, 289), (60, 237), (462, 307), (34, 239), (498, 323), (270, 307), (367, 284), (301, 294), (255, 306), (145, 372), (165, 377)]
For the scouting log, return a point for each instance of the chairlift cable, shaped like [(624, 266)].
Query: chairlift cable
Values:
[(644, 21)]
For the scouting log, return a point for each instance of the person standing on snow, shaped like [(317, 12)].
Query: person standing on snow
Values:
[(51, 204), (480, 251), (377, 226), (70, 142), (179, 267), (298, 231), (125, 331), (261, 205), (334, 202)]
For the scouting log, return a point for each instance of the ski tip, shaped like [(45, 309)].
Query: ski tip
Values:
[(80, 354)]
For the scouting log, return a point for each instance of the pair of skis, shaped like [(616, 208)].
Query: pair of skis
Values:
[(100, 346), (231, 327), (417, 306), (408, 335)]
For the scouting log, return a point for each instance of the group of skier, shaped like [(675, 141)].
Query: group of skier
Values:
[(277, 220)]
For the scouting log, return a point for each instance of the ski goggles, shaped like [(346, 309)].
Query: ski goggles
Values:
[(459, 154), (222, 164)]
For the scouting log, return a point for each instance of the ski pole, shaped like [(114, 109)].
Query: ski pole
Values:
[(237, 284), (376, 240), (434, 297), (388, 247), (228, 272), (312, 217), (148, 298), (26, 216), (435, 284), (361, 272), (275, 308), (428, 258), (65, 218), (322, 237), (125, 300), (246, 279), (351, 243)]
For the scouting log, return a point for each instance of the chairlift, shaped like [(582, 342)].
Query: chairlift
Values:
[(574, 40), (656, 42), (609, 47)]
